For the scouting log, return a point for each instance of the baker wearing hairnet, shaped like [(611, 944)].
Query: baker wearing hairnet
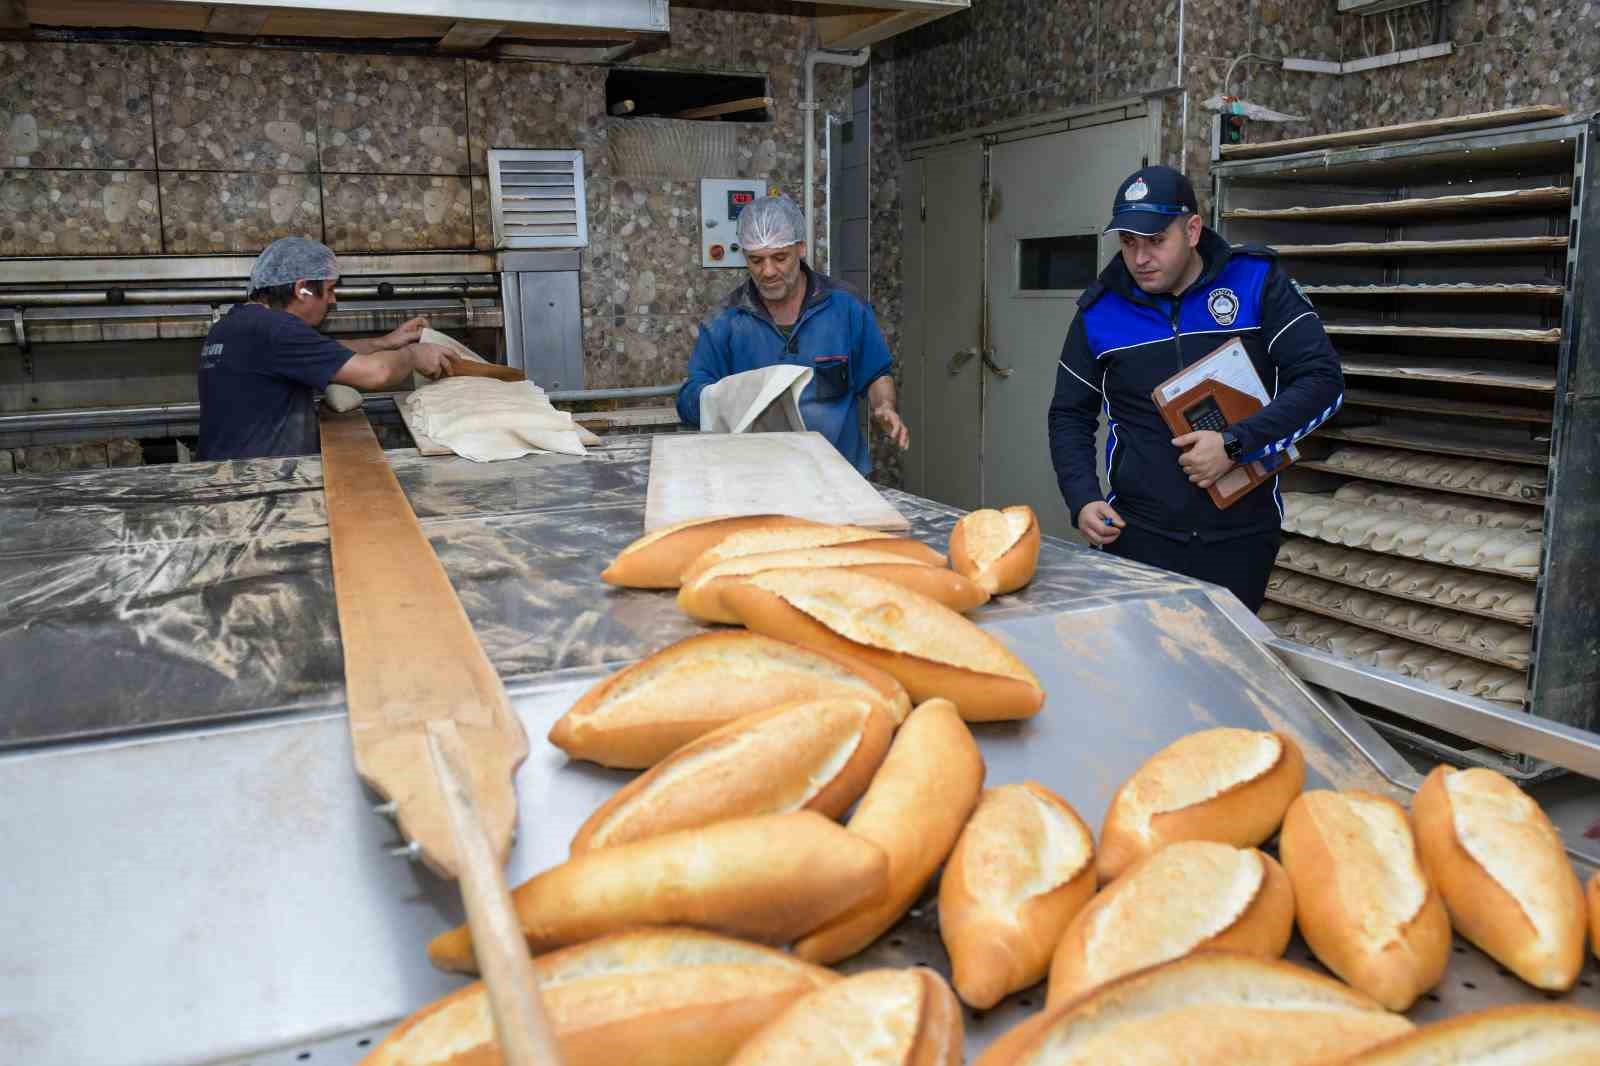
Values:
[(784, 320), (264, 360)]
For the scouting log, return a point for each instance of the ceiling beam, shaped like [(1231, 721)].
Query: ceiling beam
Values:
[(470, 36), (242, 22)]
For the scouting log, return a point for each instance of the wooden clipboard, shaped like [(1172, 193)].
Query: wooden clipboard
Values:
[(1209, 388)]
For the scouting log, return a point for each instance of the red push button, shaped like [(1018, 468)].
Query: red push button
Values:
[(717, 253)]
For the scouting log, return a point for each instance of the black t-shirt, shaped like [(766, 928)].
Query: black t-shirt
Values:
[(259, 371)]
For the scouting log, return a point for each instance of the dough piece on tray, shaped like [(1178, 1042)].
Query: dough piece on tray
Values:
[(1408, 542), (1517, 601), (1367, 607), (1433, 669), (1434, 549), (1455, 628), (1464, 675)]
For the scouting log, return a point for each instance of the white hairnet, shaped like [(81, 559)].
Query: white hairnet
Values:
[(771, 222), (289, 259)]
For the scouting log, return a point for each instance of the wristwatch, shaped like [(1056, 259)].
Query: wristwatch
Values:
[(1231, 445)]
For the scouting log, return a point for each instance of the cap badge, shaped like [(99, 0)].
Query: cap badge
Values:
[(1137, 191)]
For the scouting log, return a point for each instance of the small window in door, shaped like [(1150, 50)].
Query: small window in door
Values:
[(1055, 263)]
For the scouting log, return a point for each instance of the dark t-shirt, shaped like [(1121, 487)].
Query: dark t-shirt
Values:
[(259, 370)]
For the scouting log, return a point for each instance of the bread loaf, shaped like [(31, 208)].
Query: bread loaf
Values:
[(1209, 1009), (802, 538), (877, 1018), (650, 997), (1229, 785), (1363, 902), (1022, 868), (769, 879), (701, 595), (914, 810), (1593, 895), (1187, 896), (997, 549), (640, 715), (799, 756), (1540, 1034), (1501, 869), (657, 559), (927, 647)]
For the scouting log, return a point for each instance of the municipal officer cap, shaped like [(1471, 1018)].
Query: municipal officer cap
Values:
[(1149, 199)]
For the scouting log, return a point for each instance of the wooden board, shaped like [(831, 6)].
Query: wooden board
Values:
[(1480, 246), (411, 656), (1462, 289), (1415, 207), (730, 107), (1383, 436), (1489, 372), (1463, 333), (1404, 131), (1428, 405), (695, 475)]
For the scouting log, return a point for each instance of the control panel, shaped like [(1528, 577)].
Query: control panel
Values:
[(721, 200)]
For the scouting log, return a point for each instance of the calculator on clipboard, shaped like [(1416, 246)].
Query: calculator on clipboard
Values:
[(1213, 394)]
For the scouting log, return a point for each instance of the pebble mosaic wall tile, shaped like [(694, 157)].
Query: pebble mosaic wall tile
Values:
[(208, 213), (392, 115), (537, 105), (75, 105), (78, 212), (236, 109), (396, 213)]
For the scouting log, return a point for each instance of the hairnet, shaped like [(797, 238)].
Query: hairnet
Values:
[(289, 259), (771, 222)]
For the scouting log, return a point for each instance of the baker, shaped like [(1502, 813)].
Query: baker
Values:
[(1175, 293), (787, 315), (263, 363)]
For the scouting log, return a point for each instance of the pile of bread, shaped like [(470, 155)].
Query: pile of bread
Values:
[(1439, 471), (1472, 634), (1446, 669), (1456, 530), (657, 942), (1440, 584)]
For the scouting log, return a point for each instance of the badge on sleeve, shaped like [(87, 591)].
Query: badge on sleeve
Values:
[(1223, 305), (1301, 292)]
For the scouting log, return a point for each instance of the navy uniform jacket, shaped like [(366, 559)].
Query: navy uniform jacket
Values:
[(836, 335), (1124, 342)]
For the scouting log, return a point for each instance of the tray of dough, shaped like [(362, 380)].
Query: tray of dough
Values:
[(1495, 481), (1502, 599)]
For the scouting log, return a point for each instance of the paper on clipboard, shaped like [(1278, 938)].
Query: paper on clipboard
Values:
[(1229, 365)]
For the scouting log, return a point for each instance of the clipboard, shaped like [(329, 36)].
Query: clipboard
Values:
[(1214, 393)]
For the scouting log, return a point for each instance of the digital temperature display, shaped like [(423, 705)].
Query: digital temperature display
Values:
[(737, 198)]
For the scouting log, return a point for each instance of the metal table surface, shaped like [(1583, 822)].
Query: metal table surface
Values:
[(222, 892)]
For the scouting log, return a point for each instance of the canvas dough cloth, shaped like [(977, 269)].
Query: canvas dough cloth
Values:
[(759, 401)]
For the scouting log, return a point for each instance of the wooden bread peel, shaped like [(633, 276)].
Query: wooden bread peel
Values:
[(431, 726)]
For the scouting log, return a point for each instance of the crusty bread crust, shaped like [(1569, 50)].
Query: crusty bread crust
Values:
[(1550, 1034), (997, 549), (876, 1018), (657, 559), (810, 538)]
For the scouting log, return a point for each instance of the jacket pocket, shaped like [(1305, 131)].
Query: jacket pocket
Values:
[(831, 375)]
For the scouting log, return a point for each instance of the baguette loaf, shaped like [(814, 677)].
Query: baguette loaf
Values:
[(997, 549), (769, 879), (1503, 874), (799, 756), (700, 597), (927, 647), (914, 810), (1208, 1009), (1594, 913), (639, 716), (876, 1018), (1540, 1034), (1364, 904), (1022, 868), (657, 559), (1228, 785), (1187, 896), (802, 538), (650, 997)]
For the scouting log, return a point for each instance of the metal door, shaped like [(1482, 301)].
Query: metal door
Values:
[(941, 399), (1050, 196)]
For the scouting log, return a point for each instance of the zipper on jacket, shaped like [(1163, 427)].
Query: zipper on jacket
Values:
[(1177, 338)]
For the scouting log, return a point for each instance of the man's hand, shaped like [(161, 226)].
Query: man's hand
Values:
[(888, 420), (430, 360), (404, 334), (1099, 523), (1203, 458)]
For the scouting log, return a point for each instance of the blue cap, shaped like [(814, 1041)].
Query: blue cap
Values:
[(1149, 199)]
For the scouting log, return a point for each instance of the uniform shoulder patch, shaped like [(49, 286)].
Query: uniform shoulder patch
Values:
[(1223, 305), (1301, 293)]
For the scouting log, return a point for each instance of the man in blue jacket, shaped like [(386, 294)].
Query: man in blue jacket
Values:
[(1176, 293), (787, 313)]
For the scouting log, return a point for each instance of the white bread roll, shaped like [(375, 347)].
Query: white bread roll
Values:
[(799, 756), (914, 810), (997, 549), (800, 538), (1593, 896), (1021, 870), (928, 648), (657, 559), (1228, 785), (1501, 869), (700, 597), (770, 879), (877, 1018), (1540, 1034), (1209, 1009), (1191, 895), (650, 997), (640, 715), (1363, 901)]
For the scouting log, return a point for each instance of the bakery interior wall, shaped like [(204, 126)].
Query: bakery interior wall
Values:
[(162, 148)]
